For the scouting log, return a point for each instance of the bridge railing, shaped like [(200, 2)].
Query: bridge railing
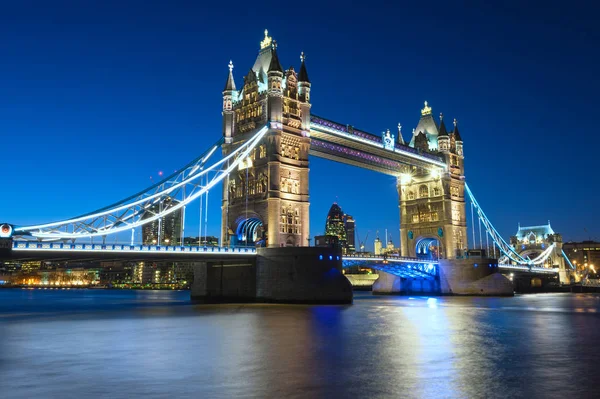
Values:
[(527, 268), (387, 257), (44, 246)]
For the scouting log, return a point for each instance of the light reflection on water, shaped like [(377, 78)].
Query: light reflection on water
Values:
[(156, 344)]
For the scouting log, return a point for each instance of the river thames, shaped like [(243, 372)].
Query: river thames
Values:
[(156, 344)]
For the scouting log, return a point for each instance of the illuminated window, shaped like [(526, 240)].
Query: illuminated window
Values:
[(423, 191), (411, 195)]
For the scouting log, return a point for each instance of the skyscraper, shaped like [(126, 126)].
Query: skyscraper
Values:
[(163, 231), (349, 224), (334, 225), (342, 226)]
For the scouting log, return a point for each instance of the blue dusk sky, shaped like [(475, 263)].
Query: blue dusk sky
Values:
[(98, 96)]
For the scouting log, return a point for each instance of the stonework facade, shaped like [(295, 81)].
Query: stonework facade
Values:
[(266, 201), (432, 201)]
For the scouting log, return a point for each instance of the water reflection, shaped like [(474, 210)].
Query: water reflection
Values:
[(155, 344)]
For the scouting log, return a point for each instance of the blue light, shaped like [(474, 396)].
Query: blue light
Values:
[(320, 257), (475, 265), (330, 257), (338, 257)]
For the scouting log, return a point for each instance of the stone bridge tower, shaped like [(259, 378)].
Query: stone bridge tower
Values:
[(432, 202), (266, 201)]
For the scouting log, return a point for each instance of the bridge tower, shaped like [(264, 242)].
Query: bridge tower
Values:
[(432, 202), (266, 201), (530, 242)]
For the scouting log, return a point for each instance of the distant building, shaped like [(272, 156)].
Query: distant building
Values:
[(377, 246), (342, 226), (350, 226), (584, 255), (163, 231), (209, 241)]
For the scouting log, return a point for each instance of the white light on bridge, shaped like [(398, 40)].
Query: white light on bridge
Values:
[(405, 178)]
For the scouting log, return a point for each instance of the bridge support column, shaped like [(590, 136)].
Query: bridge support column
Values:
[(283, 275), (301, 275), (473, 276), (389, 284)]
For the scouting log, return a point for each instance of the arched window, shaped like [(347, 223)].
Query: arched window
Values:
[(436, 192), (423, 191), (411, 195)]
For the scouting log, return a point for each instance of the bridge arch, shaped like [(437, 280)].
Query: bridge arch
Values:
[(248, 230), (428, 247)]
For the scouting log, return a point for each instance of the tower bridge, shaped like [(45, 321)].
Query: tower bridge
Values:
[(268, 138)]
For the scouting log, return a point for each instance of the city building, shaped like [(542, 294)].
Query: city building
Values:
[(208, 241), (584, 256), (343, 227), (377, 246), (163, 231), (350, 225)]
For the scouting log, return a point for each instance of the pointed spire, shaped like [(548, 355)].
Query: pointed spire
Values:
[(456, 133), (275, 65), (442, 130), (230, 85), (400, 138), (303, 76)]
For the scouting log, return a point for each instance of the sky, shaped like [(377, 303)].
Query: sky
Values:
[(97, 97)]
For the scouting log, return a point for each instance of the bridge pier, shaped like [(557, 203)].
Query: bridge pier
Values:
[(473, 276), (389, 284), (281, 275)]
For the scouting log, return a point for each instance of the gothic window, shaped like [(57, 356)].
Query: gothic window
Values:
[(232, 188), (415, 218), (262, 151), (252, 186), (423, 191), (436, 191), (411, 195), (253, 154), (289, 186), (296, 188), (296, 153), (289, 221)]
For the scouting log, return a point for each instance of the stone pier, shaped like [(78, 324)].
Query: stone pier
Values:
[(474, 276), (282, 275)]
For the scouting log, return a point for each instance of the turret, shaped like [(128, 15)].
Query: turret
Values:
[(427, 127), (304, 96), (275, 72), (443, 137), (303, 81), (400, 138), (229, 93), (457, 139)]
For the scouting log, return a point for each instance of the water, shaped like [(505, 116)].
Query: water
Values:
[(155, 344)]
